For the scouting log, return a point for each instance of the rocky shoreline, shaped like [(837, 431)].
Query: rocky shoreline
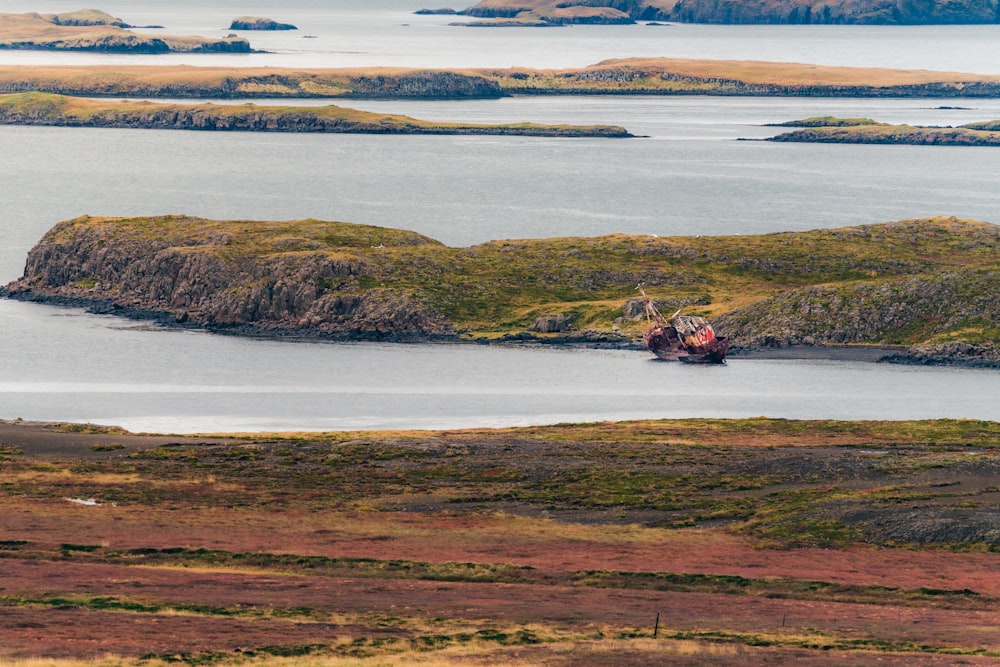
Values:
[(898, 288), (46, 109), (960, 355)]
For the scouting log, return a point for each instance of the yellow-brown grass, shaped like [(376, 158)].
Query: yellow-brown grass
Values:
[(752, 72)]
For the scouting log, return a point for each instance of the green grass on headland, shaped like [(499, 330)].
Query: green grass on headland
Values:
[(913, 282), (51, 109)]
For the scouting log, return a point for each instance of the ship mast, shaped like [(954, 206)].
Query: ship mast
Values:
[(652, 314)]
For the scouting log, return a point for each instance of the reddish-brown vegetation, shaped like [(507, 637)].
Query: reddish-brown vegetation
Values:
[(250, 553)]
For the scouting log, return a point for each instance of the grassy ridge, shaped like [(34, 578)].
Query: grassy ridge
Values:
[(50, 109), (866, 131), (911, 282), (622, 76)]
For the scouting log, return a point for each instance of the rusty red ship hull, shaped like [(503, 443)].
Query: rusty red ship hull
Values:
[(665, 343), (686, 338)]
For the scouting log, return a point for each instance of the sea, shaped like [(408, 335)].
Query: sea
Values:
[(698, 168)]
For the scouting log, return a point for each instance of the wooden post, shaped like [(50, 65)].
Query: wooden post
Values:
[(656, 628)]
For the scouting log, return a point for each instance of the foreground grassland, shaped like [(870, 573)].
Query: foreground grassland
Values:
[(833, 130), (59, 110), (756, 541), (94, 30), (930, 282), (647, 76)]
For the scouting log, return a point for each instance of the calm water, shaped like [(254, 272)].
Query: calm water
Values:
[(349, 33), (689, 176), (67, 369)]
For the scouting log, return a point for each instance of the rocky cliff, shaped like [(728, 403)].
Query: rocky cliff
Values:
[(304, 277), (886, 12), (56, 110), (929, 283)]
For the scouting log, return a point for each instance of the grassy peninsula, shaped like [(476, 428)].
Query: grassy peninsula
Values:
[(929, 283), (690, 542), (872, 12), (93, 30), (629, 76), (866, 131), (59, 110)]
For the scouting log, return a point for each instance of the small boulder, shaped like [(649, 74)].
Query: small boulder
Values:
[(553, 323)]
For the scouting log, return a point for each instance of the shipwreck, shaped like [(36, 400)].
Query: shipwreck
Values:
[(686, 338)]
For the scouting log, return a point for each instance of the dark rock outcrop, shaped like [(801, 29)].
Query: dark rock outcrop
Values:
[(259, 23)]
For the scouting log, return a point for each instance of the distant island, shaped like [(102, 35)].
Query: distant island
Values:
[(629, 76), (60, 110), (94, 30), (929, 286), (259, 23), (873, 12), (831, 130)]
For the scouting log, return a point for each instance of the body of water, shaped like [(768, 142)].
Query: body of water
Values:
[(690, 175), (348, 33), (70, 366)]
